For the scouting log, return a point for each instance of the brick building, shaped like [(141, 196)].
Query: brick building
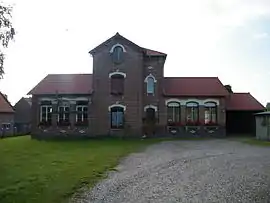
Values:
[(6, 117), (128, 95)]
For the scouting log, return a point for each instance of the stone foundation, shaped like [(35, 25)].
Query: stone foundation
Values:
[(197, 131), (160, 131)]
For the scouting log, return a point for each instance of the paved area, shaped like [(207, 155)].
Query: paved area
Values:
[(189, 171)]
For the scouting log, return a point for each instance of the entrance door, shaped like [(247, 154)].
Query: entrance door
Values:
[(150, 121)]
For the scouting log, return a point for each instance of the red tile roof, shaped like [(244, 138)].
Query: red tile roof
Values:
[(194, 86), (64, 84), (150, 52), (242, 102), (5, 106)]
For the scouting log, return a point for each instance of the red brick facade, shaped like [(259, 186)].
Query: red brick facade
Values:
[(138, 108)]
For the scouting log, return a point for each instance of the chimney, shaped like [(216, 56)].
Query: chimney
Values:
[(229, 88)]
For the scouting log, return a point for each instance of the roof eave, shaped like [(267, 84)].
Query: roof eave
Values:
[(239, 109), (193, 95), (74, 93)]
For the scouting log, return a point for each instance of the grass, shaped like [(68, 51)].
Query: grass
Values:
[(250, 140), (51, 171), (254, 141)]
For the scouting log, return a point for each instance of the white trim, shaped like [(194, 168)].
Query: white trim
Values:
[(210, 104), (65, 99), (150, 106), (7, 124), (117, 45), (192, 104), (40, 112), (64, 114), (183, 102), (173, 104), (117, 105), (83, 106), (173, 100), (150, 76), (117, 73), (212, 100)]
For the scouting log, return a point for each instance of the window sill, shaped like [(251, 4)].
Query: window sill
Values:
[(81, 124), (117, 94), (174, 124), (112, 128), (63, 124), (210, 125), (44, 124)]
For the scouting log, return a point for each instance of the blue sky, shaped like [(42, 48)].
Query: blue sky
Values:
[(225, 38)]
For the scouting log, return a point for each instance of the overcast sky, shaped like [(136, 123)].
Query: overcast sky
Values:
[(225, 38)]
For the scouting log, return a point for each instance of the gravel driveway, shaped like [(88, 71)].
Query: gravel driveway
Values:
[(189, 171)]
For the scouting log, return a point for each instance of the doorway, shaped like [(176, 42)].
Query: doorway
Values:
[(150, 122)]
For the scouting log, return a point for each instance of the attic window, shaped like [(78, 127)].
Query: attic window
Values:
[(117, 53)]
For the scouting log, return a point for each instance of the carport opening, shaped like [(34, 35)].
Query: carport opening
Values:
[(241, 123)]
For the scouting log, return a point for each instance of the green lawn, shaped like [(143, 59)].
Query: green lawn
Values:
[(254, 141), (51, 171)]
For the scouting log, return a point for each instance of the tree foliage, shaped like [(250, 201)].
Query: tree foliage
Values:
[(268, 106), (7, 32)]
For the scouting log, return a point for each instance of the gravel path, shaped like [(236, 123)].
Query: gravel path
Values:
[(189, 171)]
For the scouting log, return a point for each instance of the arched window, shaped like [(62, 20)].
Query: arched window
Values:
[(117, 117), (117, 84), (150, 114), (210, 113), (192, 113), (117, 54), (150, 84), (173, 113)]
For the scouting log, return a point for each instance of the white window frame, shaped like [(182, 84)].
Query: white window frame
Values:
[(115, 106), (40, 113), (211, 105), (175, 105), (193, 106), (81, 106), (117, 45), (146, 80), (7, 124), (64, 114)]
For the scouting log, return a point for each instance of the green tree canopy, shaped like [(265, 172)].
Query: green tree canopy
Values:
[(7, 32)]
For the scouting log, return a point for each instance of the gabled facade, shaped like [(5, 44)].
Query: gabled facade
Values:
[(22, 116), (128, 95), (6, 117)]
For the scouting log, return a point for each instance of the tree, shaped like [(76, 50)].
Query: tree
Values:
[(268, 106), (7, 32)]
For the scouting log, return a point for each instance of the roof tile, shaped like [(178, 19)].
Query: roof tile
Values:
[(64, 84), (5, 106), (194, 86), (243, 102), (150, 52)]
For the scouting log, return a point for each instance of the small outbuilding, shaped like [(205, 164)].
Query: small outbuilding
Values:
[(263, 125)]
